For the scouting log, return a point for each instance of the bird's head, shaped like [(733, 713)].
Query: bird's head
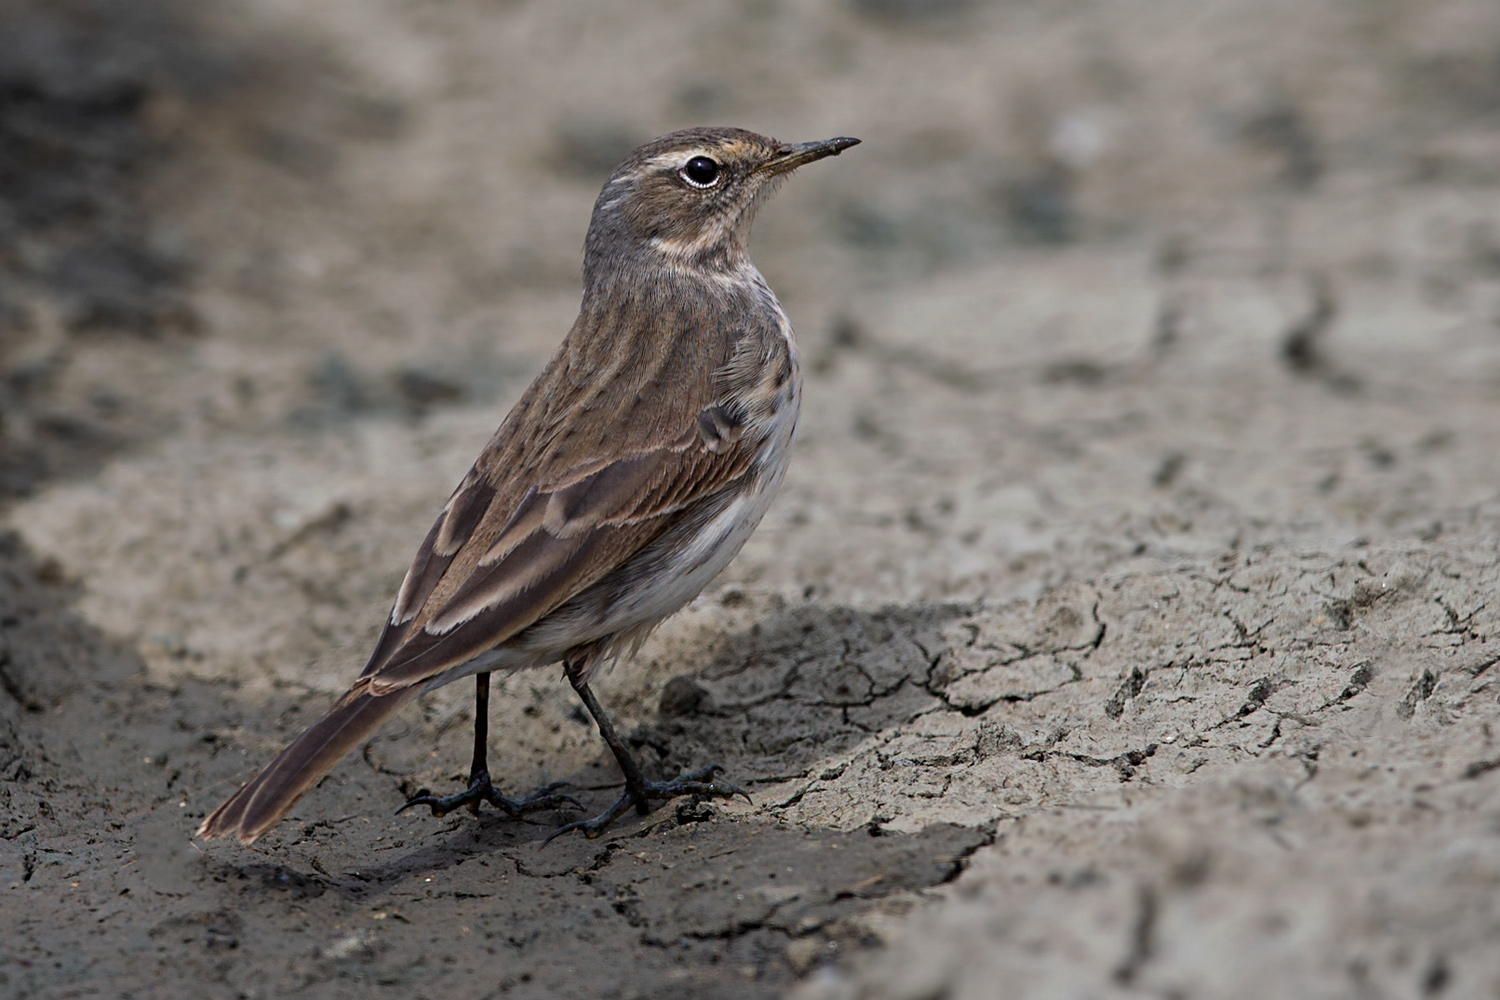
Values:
[(689, 197)]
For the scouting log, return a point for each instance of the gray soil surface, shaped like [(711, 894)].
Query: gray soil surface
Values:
[(1126, 627)]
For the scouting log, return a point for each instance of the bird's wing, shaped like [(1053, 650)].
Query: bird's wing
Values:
[(492, 565)]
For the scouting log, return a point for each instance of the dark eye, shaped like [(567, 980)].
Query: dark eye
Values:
[(700, 171)]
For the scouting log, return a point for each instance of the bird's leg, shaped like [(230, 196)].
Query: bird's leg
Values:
[(638, 791), (480, 787), (635, 784)]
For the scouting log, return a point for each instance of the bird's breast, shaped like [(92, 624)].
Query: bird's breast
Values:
[(775, 400)]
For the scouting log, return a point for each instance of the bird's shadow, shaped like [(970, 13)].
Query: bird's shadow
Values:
[(773, 702)]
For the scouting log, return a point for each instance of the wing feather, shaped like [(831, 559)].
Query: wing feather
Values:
[(556, 545), (462, 514)]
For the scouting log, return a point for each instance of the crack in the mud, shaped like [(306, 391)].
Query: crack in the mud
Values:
[(1457, 624), (974, 709), (1480, 767), (1260, 691), (601, 860), (1359, 679), (1479, 668), (1128, 689), (1420, 690), (1125, 763)]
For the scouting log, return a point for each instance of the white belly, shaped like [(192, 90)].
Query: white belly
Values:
[(718, 541)]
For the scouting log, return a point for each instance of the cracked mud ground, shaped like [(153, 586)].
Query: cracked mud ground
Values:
[(1127, 625)]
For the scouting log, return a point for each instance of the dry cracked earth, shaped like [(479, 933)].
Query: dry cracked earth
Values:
[(1127, 625)]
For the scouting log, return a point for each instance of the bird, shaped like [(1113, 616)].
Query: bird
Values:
[(623, 481)]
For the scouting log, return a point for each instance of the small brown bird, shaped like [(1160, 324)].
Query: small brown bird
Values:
[(625, 479)]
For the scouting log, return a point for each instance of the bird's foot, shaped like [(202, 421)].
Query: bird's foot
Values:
[(482, 790), (699, 784)]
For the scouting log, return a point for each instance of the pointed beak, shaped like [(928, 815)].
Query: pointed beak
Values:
[(798, 153)]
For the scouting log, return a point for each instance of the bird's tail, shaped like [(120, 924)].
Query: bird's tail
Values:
[(270, 795)]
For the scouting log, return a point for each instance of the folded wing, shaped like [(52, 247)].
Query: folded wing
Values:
[(470, 590)]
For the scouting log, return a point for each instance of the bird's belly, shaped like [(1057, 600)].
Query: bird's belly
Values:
[(638, 608), (684, 576), (704, 556)]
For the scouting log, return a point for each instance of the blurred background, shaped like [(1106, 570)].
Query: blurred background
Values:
[(1104, 278), (261, 215), (1109, 284)]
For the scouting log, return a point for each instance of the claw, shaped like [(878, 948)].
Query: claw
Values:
[(545, 797), (594, 828), (424, 797), (698, 784), (482, 790)]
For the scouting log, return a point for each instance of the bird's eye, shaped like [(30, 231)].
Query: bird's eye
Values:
[(700, 171)]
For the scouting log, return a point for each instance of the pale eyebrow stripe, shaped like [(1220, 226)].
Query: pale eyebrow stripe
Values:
[(678, 158)]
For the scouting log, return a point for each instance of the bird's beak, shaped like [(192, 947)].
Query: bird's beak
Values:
[(798, 153)]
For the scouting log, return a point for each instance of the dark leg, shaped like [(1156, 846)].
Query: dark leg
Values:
[(480, 765), (480, 789), (638, 791), (635, 784)]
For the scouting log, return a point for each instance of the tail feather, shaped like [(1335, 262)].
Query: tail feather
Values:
[(270, 795)]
